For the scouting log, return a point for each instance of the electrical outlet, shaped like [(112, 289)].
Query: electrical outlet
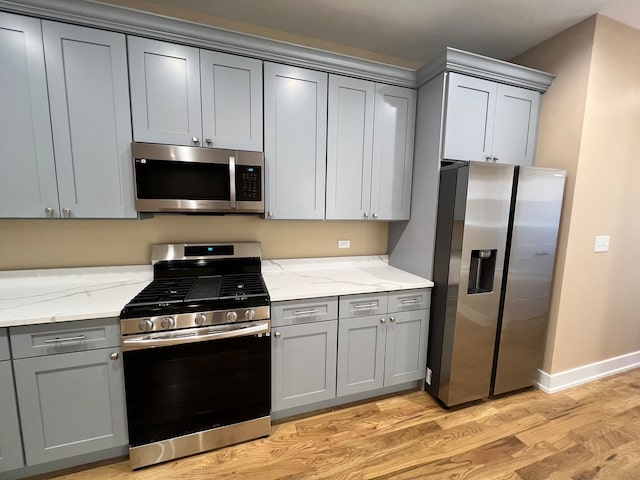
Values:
[(344, 243), (602, 243)]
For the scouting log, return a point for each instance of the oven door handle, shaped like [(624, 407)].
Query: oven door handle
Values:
[(192, 335)]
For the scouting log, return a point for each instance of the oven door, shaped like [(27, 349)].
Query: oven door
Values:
[(187, 381)]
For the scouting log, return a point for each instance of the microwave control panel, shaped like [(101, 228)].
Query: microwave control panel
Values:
[(248, 183)]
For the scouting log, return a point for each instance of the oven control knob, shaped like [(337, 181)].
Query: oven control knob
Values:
[(145, 325), (200, 319), (232, 316), (250, 314), (168, 322)]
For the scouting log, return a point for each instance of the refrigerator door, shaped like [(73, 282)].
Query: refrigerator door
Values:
[(526, 306), (478, 243)]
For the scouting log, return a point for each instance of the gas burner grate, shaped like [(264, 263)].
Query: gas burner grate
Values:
[(242, 285), (165, 290)]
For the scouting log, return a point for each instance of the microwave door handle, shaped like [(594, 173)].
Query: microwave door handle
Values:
[(232, 182)]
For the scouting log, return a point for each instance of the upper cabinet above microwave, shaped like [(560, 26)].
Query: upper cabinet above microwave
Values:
[(188, 96)]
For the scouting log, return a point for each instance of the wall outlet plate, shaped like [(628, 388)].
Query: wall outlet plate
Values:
[(602, 243), (344, 243)]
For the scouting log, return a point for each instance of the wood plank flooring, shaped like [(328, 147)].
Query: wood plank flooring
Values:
[(590, 432)]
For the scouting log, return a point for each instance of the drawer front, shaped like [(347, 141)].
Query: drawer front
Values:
[(406, 300), (76, 336), (293, 312), (363, 305), (4, 345)]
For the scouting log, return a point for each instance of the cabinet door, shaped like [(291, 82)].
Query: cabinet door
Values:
[(165, 92), (361, 345), (70, 404), (393, 135), (89, 101), (349, 148), (303, 364), (469, 119), (231, 101), (10, 445), (406, 347), (516, 125), (295, 117), (27, 170)]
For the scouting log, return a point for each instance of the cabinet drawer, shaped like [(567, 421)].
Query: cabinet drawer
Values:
[(405, 300), (293, 312), (4, 345), (362, 305), (48, 339)]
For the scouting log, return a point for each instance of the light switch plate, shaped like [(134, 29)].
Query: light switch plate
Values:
[(602, 243), (344, 243)]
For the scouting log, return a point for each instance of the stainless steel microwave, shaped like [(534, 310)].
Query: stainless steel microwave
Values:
[(172, 178)]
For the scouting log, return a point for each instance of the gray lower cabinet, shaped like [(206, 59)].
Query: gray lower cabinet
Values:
[(304, 344), (295, 132), (10, 446), (489, 121), (382, 340), (65, 148), (70, 393)]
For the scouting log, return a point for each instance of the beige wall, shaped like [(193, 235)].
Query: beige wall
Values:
[(590, 123), (27, 244)]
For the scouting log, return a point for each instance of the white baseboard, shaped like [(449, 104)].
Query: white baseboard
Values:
[(552, 383)]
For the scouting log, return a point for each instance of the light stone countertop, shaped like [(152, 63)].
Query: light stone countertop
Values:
[(60, 295), (65, 294), (324, 277)]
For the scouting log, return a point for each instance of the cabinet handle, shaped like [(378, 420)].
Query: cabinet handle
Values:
[(195, 140), (392, 319), (79, 338), (209, 142), (114, 356), (495, 159), (383, 320), (488, 158), (48, 212), (270, 214), (66, 213), (365, 305), (306, 312), (410, 301), (366, 215), (277, 334), (375, 215)]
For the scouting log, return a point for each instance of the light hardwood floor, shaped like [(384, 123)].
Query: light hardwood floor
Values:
[(586, 433)]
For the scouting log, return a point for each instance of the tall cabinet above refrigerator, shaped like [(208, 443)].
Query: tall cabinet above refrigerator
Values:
[(495, 246)]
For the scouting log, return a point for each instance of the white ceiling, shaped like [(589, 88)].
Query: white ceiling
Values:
[(416, 30)]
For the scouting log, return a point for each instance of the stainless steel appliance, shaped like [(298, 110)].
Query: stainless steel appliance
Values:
[(197, 352), (172, 178), (494, 254)]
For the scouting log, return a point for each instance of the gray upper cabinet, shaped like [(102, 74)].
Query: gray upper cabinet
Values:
[(488, 121), (349, 148), (295, 116), (27, 169), (82, 99), (393, 137), (165, 92), (231, 101), (369, 150), (186, 96), (91, 120)]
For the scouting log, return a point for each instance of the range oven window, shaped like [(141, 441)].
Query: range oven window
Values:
[(182, 389), (169, 180)]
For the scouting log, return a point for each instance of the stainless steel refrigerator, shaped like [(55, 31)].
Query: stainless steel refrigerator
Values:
[(495, 246)]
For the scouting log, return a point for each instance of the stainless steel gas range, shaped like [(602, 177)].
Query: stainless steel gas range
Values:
[(196, 351)]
